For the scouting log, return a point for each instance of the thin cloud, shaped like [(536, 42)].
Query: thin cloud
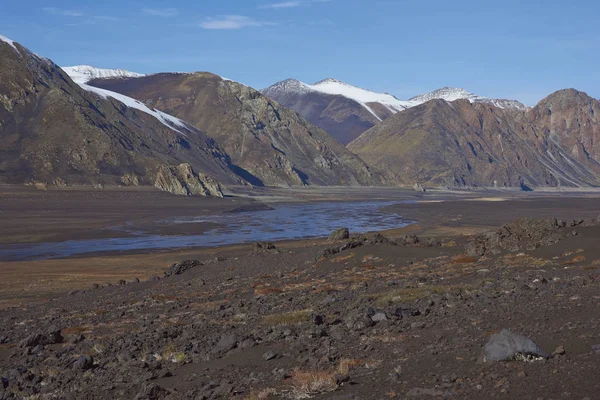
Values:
[(161, 12), (63, 12), (292, 4), (230, 22)]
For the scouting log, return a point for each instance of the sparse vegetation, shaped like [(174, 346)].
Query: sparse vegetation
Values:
[(306, 384)]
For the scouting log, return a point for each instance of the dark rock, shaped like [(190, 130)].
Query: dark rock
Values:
[(380, 239), (4, 383), (181, 267), (410, 240), (318, 320), (262, 247), (226, 343), (339, 234), (507, 345), (54, 336), (596, 348), (84, 363), (359, 321), (351, 244)]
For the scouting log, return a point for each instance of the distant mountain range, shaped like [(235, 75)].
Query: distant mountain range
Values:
[(191, 133), (346, 111)]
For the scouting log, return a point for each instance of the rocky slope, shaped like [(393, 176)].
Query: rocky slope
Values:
[(269, 144), (55, 131), (477, 144), (346, 111)]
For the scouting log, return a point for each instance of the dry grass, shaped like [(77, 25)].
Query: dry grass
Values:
[(171, 354), (265, 290), (306, 384), (291, 318)]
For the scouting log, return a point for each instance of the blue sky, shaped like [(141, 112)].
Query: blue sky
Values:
[(510, 49)]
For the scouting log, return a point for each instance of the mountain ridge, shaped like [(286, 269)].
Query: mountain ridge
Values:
[(461, 143), (56, 132), (346, 111), (273, 145)]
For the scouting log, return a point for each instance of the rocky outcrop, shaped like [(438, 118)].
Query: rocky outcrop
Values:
[(182, 180)]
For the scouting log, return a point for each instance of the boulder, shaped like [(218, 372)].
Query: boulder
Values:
[(507, 345), (419, 188), (181, 267), (183, 181), (262, 247), (339, 234), (380, 239), (84, 363)]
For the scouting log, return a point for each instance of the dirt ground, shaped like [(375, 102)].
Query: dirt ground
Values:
[(358, 318)]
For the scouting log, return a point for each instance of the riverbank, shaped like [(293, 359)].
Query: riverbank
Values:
[(32, 216)]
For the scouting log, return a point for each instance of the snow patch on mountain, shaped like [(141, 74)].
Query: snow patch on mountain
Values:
[(10, 42), (362, 96), (445, 93), (339, 88), (85, 73), (452, 94), (365, 97)]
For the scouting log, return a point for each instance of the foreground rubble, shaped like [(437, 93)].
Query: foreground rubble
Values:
[(357, 318)]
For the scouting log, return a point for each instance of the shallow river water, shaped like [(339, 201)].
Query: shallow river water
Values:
[(284, 222)]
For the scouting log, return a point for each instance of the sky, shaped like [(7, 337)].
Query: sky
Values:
[(511, 49)]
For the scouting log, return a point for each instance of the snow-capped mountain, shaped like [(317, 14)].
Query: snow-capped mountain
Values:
[(452, 94), (335, 87), (85, 73), (346, 111)]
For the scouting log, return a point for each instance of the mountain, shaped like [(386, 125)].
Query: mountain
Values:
[(55, 131), (346, 111), (463, 143), (268, 143), (451, 94), (85, 73)]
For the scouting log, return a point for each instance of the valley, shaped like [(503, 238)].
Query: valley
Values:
[(180, 235)]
